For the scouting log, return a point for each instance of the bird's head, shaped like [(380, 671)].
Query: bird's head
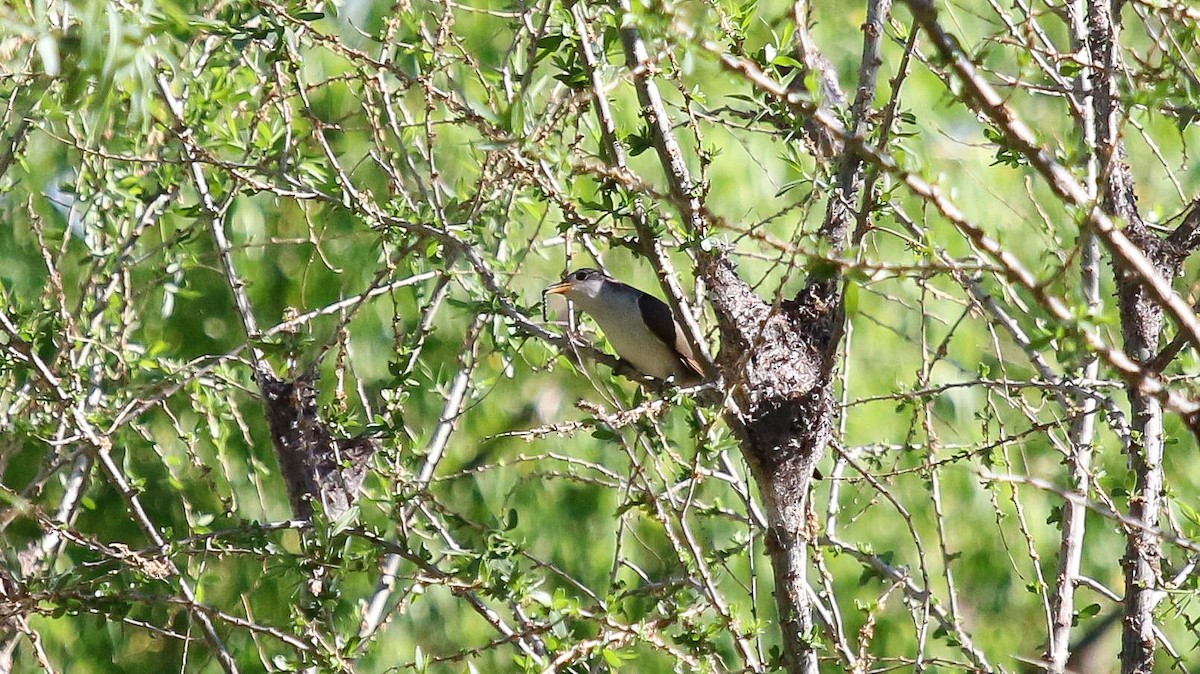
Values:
[(581, 284)]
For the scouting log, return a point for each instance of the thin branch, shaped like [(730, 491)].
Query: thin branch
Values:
[(987, 101)]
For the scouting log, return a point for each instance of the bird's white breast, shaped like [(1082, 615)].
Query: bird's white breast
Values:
[(621, 321)]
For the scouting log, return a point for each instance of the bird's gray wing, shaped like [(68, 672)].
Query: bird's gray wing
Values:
[(658, 318)]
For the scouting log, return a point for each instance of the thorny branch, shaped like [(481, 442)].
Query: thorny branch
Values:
[(434, 182)]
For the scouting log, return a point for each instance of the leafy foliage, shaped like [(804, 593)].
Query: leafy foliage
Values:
[(389, 187)]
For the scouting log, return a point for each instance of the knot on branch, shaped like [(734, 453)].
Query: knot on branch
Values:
[(779, 361), (315, 465), (1142, 316), (819, 312), (790, 435)]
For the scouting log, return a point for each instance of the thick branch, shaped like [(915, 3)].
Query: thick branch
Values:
[(840, 210), (1141, 328)]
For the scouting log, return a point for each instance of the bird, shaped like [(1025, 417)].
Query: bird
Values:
[(638, 325)]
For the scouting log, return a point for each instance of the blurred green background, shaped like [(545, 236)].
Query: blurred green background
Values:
[(348, 146)]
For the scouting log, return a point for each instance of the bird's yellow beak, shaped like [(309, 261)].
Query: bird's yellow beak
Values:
[(558, 288)]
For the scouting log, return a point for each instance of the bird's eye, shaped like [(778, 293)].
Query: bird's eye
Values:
[(579, 276)]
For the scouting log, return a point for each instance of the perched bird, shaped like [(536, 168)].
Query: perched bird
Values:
[(638, 325)]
